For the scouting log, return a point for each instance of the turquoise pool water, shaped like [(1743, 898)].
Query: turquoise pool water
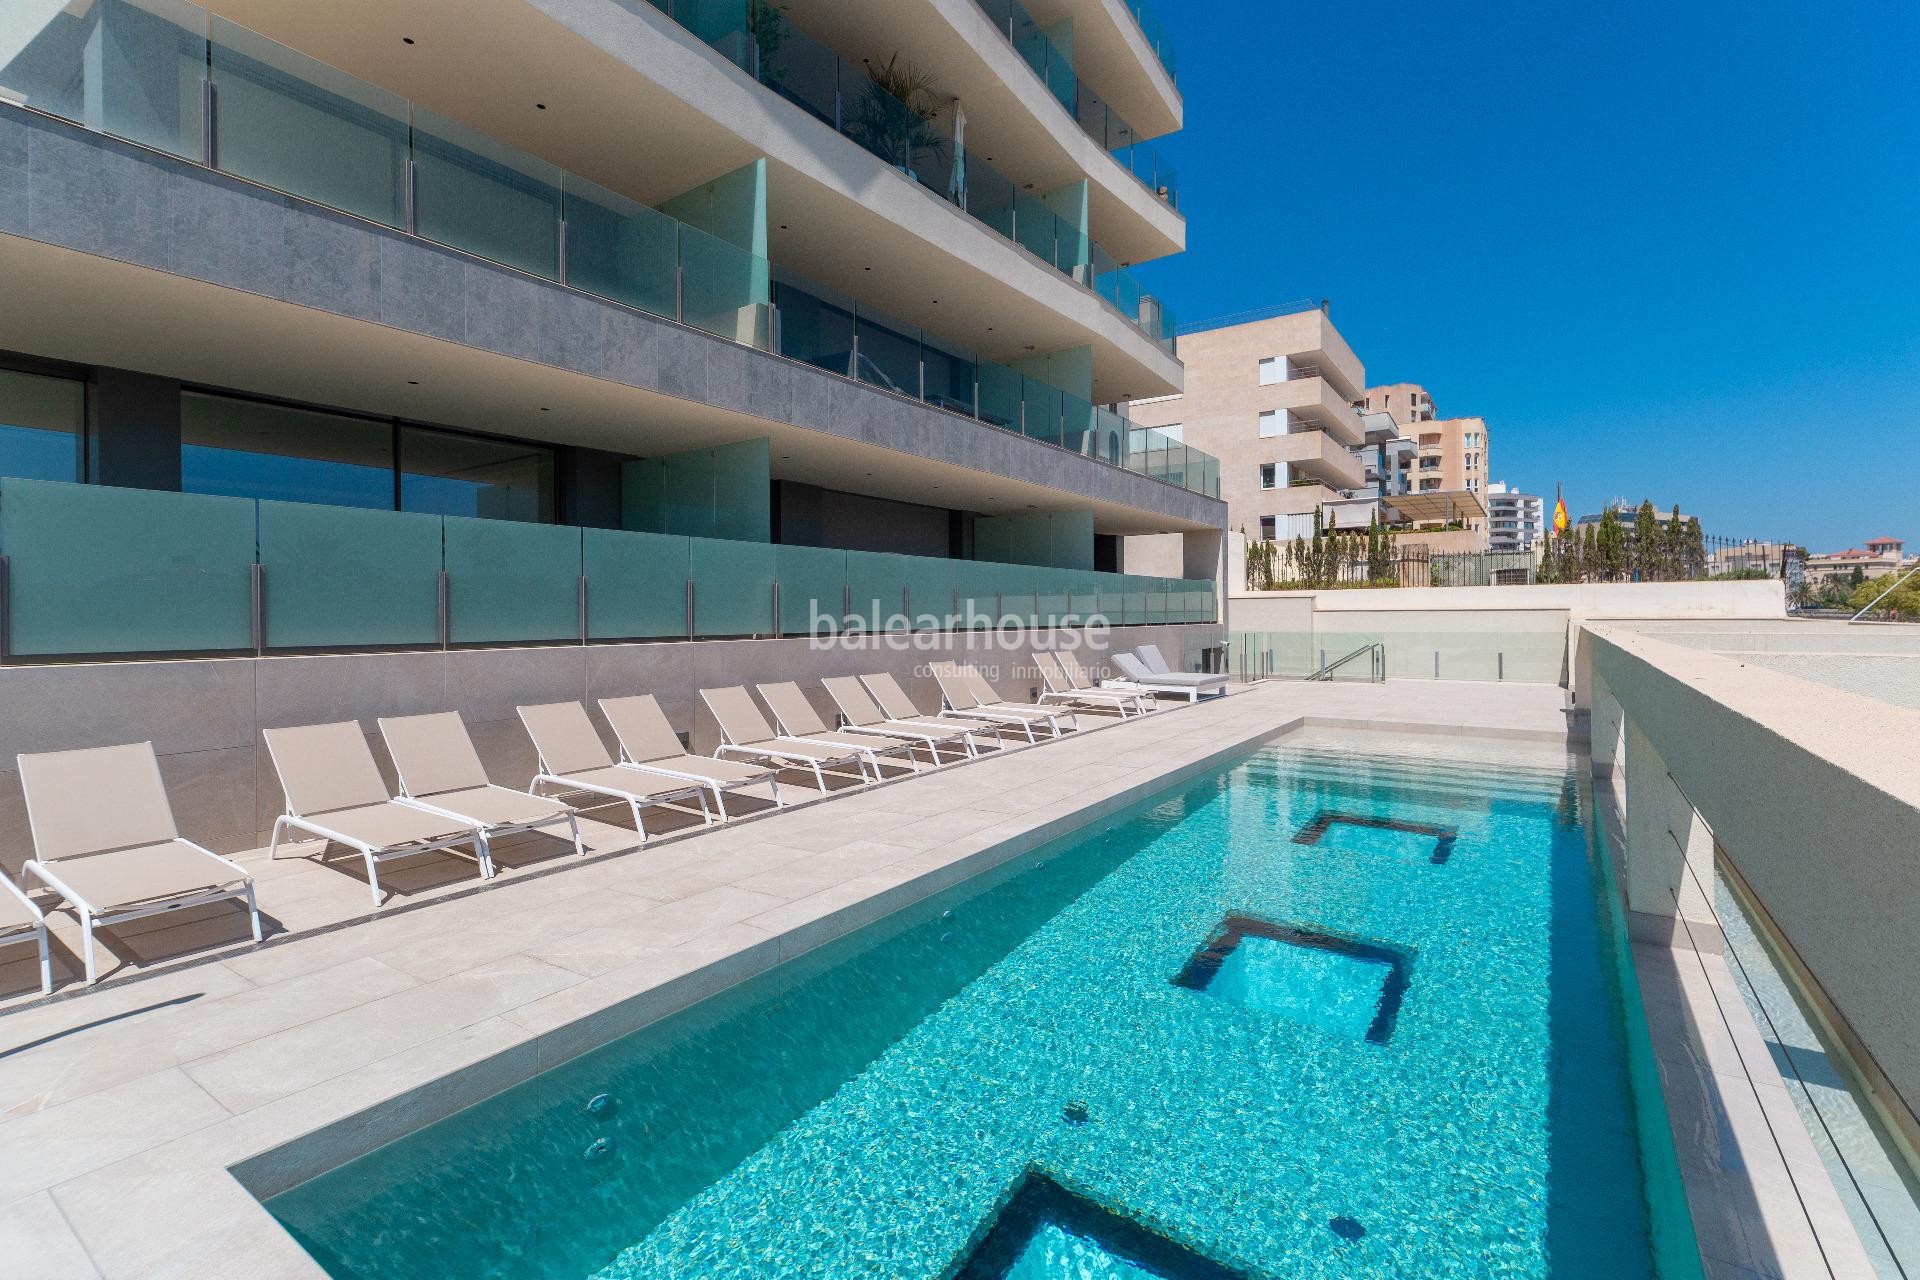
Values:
[(1160, 1049)]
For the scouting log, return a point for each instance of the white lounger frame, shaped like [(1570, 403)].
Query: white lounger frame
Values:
[(36, 929), (92, 917), (375, 854), (636, 801)]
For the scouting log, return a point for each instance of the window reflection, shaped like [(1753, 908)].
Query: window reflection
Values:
[(454, 475), (42, 424), (248, 449)]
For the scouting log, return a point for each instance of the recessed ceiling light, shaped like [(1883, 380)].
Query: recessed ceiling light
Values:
[(539, 106), (543, 408), (866, 268), (413, 382), (406, 39), (783, 226)]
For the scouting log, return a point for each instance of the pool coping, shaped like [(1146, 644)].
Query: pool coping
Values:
[(183, 1200)]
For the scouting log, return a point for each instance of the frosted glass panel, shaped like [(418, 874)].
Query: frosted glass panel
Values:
[(511, 582), (732, 587), (133, 69), (100, 570), (337, 577), (296, 124), (812, 579), (636, 584)]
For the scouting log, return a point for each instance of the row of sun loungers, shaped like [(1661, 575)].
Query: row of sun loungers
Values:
[(105, 839)]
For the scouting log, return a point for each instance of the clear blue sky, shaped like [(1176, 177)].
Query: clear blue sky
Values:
[(1667, 250)]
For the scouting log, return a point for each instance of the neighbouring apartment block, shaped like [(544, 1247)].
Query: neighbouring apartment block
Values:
[(1515, 521), (1880, 556), (1281, 400)]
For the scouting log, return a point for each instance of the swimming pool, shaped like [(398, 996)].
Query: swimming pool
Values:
[(1325, 1013)]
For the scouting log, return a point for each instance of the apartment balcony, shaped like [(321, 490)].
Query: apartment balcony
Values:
[(1318, 455), (1314, 401)]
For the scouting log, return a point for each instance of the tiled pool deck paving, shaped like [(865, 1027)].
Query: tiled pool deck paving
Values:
[(122, 1110)]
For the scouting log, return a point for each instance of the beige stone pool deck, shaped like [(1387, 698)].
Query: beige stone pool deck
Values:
[(126, 1111)]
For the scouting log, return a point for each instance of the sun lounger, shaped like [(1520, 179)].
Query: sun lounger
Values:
[(648, 743), (1060, 689), (864, 715), (747, 734), (1192, 684), (967, 693), (21, 920), (440, 771), (1080, 678), (573, 760), (105, 840), (794, 716), (334, 791), (894, 701)]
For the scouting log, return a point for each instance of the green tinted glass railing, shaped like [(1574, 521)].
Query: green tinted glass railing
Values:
[(621, 249), (509, 582), (636, 584), (475, 194), (131, 68), (344, 577), (294, 123), (732, 587), (877, 583), (724, 289), (97, 570), (100, 570), (813, 588)]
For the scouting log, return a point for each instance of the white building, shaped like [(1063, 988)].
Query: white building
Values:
[(1515, 521)]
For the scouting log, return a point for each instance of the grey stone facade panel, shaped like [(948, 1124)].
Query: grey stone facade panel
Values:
[(114, 200)]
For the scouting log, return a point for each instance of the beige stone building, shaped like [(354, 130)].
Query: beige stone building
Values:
[(1453, 452), (1274, 400)]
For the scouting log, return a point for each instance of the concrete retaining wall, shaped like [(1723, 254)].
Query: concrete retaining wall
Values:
[(1814, 797)]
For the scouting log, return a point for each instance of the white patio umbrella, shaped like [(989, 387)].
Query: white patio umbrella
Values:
[(957, 182)]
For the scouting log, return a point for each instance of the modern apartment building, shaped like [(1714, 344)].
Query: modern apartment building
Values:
[(1272, 397), (1405, 402), (1452, 452), (1880, 556), (431, 326), (1515, 521)]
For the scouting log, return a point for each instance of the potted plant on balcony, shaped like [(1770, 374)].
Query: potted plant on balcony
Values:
[(894, 117)]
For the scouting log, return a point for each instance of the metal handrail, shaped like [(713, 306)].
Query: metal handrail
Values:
[(1377, 669)]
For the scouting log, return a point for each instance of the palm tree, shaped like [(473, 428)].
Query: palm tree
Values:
[(894, 117)]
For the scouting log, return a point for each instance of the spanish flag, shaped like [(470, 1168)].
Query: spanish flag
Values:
[(1560, 521)]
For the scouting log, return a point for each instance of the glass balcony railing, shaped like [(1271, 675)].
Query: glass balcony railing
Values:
[(1100, 122), (100, 571), (851, 101), (201, 88), (833, 331), (211, 92)]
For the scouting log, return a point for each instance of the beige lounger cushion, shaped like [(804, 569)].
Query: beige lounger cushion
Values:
[(127, 877), (14, 913), (794, 713), (642, 728), (565, 737), (389, 825), (631, 782), (499, 806), (433, 753), (324, 767), (648, 739), (860, 709), (802, 750), (714, 770), (96, 798)]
